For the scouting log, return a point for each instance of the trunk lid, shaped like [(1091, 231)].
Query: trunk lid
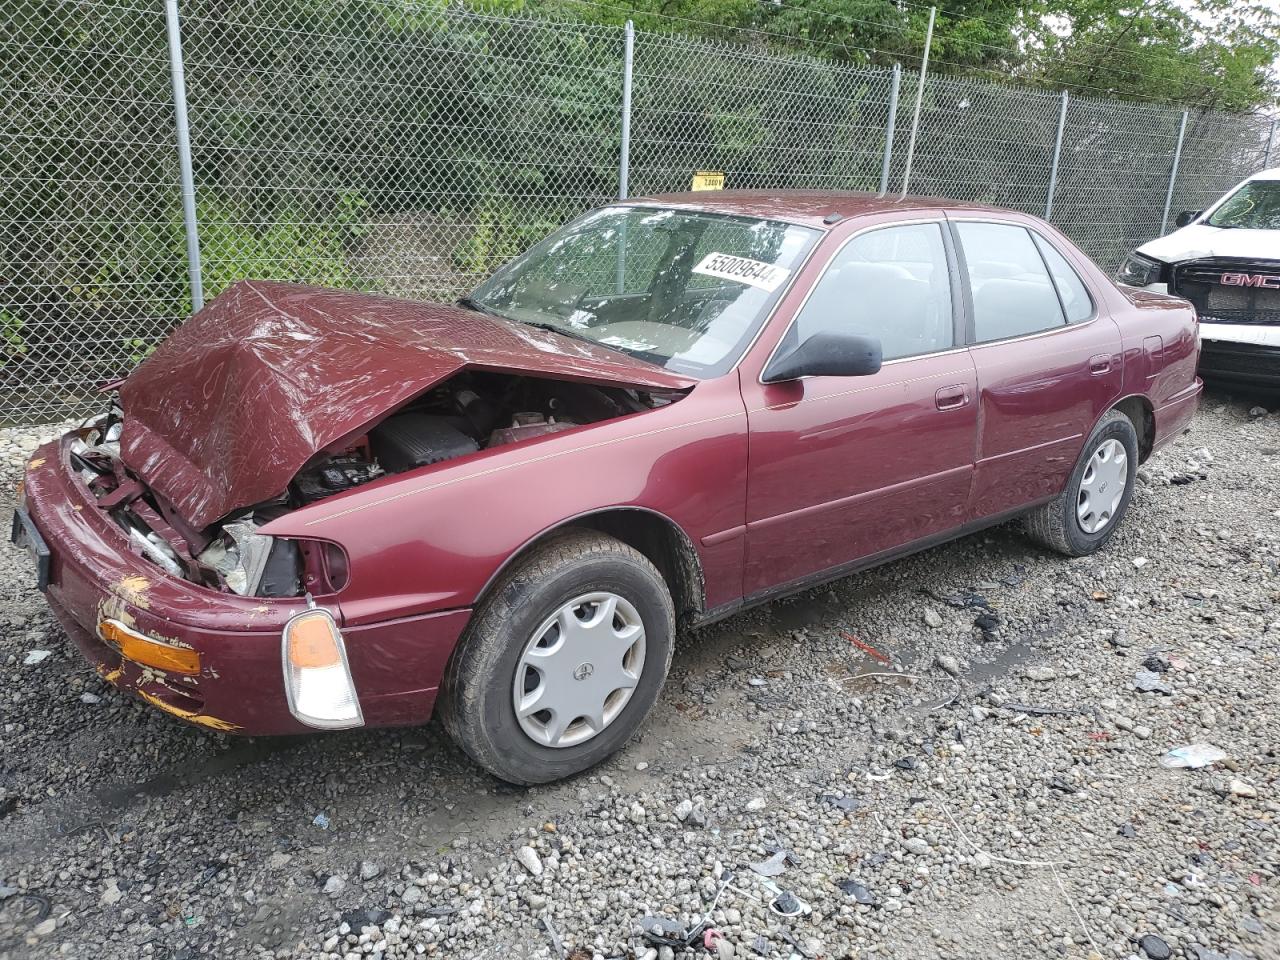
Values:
[(236, 401)]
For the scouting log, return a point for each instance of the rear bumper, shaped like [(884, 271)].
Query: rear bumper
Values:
[(1243, 364), (93, 575)]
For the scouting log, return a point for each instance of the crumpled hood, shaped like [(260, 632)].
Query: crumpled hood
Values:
[(1200, 240), (233, 404)]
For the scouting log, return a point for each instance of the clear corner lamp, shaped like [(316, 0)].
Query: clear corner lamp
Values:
[(317, 677)]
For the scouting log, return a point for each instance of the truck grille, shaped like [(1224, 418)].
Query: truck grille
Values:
[(1230, 290)]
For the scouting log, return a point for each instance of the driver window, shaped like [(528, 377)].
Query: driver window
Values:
[(892, 284)]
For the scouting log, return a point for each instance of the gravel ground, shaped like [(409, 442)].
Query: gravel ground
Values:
[(993, 790)]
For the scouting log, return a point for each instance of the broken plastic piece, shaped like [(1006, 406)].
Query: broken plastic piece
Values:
[(1193, 756), (852, 888), (772, 867)]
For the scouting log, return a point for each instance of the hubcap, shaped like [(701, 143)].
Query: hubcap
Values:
[(579, 669), (1102, 486)]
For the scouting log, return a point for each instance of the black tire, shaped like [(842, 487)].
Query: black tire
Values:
[(476, 696), (1055, 524)]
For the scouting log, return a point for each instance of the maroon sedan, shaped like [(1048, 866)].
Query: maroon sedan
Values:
[(320, 509)]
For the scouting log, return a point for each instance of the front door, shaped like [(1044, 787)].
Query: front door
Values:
[(841, 469)]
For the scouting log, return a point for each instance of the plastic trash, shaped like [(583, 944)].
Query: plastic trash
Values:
[(35, 656), (772, 867), (1192, 757), (322, 821), (852, 888)]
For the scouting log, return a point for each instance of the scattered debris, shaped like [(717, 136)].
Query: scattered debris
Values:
[(772, 867), (90, 698), (1193, 756), (960, 600), (1154, 948), (1140, 562), (865, 647), (557, 945), (528, 858), (853, 888), (756, 804), (1036, 710), (1127, 831), (322, 821), (36, 656), (842, 803), (1146, 681), (1041, 673), (988, 623)]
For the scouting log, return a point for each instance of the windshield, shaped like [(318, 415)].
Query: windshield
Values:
[(686, 291), (1255, 206)]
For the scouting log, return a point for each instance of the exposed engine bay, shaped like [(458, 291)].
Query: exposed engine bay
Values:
[(471, 412)]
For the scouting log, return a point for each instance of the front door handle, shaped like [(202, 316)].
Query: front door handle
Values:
[(951, 398), (1100, 364)]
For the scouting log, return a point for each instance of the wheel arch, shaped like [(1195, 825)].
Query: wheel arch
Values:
[(654, 534), (1143, 417)]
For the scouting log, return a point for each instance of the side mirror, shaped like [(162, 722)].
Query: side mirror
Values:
[(1186, 216), (826, 355)]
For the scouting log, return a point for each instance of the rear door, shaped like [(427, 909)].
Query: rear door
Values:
[(1048, 361), (843, 468)]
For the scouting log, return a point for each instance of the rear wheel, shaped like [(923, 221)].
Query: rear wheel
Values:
[(1087, 513), (562, 662)]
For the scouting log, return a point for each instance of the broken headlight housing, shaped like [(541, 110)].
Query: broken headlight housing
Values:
[(1139, 271)]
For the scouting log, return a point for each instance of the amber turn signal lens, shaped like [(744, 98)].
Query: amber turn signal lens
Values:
[(311, 641), (150, 653)]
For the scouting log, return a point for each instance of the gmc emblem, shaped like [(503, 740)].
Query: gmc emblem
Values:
[(1250, 280)]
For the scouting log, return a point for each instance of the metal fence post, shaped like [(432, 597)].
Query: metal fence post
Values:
[(184, 153), (1173, 173), (1271, 142), (915, 121), (1057, 155), (628, 57), (890, 126)]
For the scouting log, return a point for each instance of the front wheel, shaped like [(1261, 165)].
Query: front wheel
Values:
[(1087, 513), (562, 662)]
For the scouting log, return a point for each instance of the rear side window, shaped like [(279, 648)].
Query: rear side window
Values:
[(1075, 295), (892, 284), (1012, 292)]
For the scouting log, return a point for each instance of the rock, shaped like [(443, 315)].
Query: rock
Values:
[(636, 813), (724, 950), (112, 894), (948, 664), (1154, 948), (982, 860), (932, 618), (683, 809), (45, 927), (756, 804), (917, 846), (1147, 681), (1256, 412), (90, 698), (1141, 732), (334, 885), (528, 858), (1040, 674), (1140, 562), (1238, 788), (369, 870)]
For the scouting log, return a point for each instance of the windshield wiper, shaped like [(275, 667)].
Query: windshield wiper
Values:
[(565, 332), (472, 304)]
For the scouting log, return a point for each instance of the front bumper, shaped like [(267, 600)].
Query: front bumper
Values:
[(1245, 364), (94, 575)]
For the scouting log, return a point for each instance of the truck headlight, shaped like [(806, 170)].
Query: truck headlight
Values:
[(1139, 271), (317, 677)]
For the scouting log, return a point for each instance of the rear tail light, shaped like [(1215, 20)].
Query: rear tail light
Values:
[(317, 677), (148, 652)]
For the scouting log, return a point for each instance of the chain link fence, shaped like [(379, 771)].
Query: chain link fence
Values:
[(409, 148)]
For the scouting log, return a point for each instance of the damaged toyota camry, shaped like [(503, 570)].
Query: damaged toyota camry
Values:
[(313, 509)]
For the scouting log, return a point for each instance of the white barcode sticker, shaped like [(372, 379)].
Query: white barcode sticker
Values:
[(754, 273)]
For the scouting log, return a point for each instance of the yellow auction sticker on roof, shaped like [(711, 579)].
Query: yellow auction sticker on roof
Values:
[(753, 273), (708, 180)]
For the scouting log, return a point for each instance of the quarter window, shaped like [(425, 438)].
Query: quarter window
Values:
[(1012, 292), (892, 284), (1075, 295)]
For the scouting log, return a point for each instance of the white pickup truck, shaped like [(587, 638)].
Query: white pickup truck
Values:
[(1226, 261)]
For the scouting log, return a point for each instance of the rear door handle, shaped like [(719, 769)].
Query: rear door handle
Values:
[(952, 397), (1100, 364)]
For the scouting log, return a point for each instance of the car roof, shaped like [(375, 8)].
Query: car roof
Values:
[(808, 207)]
